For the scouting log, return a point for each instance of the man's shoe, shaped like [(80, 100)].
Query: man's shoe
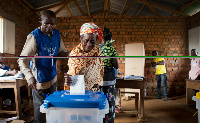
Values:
[(165, 98), (158, 97)]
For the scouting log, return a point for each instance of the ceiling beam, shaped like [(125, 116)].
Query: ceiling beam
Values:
[(112, 13), (62, 7), (108, 7), (123, 7), (164, 8), (105, 5), (129, 7), (151, 8), (68, 11), (140, 10), (51, 6), (88, 8), (31, 7), (76, 3), (98, 13), (186, 5), (28, 4)]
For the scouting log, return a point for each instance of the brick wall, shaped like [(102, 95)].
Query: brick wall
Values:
[(19, 13), (168, 35)]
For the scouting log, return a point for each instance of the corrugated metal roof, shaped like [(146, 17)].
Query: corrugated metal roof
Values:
[(116, 6), (172, 4), (74, 9), (163, 12), (97, 6), (134, 9), (40, 3), (146, 11), (63, 13), (193, 8)]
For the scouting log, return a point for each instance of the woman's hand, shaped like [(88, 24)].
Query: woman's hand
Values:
[(96, 86), (68, 79)]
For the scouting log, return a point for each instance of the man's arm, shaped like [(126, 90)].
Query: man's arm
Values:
[(160, 62), (153, 64), (157, 63), (29, 49), (13, 72), (62, 50)]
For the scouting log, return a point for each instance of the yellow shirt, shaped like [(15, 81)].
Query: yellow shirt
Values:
[(160, 69)]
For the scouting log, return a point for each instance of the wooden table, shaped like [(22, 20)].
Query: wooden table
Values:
[(16, 84), (136, 84), (191, 86)]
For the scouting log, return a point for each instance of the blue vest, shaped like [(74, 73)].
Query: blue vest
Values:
[(5, 68), (47, 46)]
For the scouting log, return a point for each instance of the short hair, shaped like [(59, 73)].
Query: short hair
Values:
[(48, 12), (107, 35), (195, 50), (154, 51)]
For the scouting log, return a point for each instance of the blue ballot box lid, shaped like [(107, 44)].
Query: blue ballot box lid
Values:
[(91, 99)]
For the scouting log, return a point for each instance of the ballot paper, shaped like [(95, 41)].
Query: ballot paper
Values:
[(78, 85)]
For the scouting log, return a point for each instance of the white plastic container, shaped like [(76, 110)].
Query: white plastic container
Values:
[(197, 106), (74, 115)]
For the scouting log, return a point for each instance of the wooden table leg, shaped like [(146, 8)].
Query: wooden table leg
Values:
[(141, 115), (1, 105), (18, 100), (136, 101), (189, 94)]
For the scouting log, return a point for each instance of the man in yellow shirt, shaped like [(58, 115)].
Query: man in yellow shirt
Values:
[(160, 71)]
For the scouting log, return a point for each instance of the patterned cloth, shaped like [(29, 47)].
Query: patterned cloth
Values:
[(91, 28), (91, 68), (109, 118), (109, 51)]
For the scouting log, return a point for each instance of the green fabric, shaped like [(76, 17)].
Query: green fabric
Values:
[(108, 50)]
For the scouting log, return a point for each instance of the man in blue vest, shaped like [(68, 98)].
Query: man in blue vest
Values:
[(41, 75)]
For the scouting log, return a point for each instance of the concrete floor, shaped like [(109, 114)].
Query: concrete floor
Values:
[(156, 111)]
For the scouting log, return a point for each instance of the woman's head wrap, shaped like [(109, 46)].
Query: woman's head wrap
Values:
[(91, 28)]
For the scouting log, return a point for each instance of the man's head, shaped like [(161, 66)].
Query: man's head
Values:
[(194, 52), (155, 53), (48, 21), (89, 33)]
